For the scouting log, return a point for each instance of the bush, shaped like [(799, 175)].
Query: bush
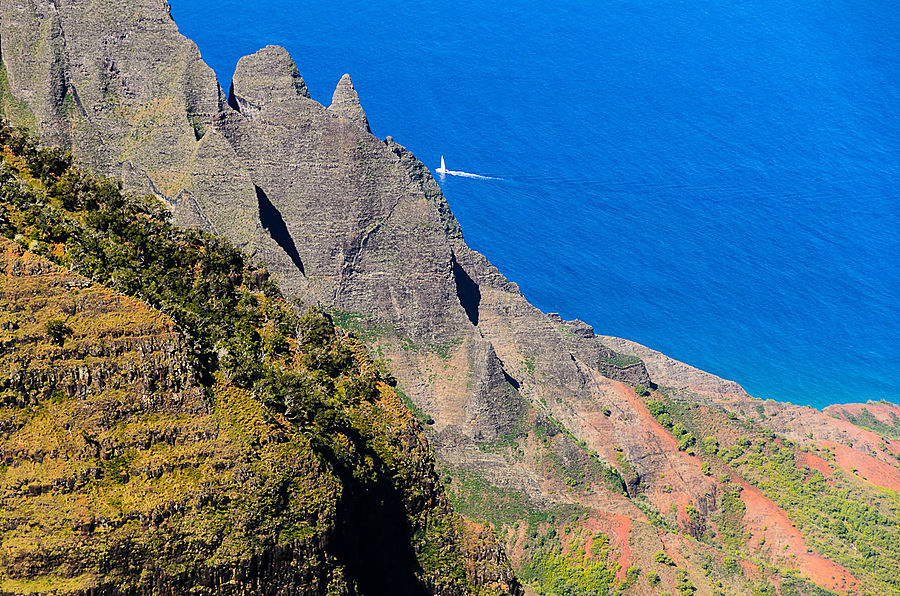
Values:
[(684, 585), (664, 559), (58, 330)]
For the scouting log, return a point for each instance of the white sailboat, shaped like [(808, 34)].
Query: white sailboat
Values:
[(444, 171)]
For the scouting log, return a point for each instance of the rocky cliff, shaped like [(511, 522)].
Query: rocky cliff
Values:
[(560, 428)]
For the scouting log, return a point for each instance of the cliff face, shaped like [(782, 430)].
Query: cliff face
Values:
[(555, 425)]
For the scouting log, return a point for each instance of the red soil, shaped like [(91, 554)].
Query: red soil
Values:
[(684, 472), (880, 410), (885, 412), (618, 528), (872, 470), (814, 462), (858, 434), (766, 520), (624, 544)]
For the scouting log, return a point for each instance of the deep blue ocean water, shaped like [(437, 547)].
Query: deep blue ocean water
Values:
[(719, 181)]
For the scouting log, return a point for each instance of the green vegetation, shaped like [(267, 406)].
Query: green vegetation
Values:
[(529, 362), (855, 527), (663, 559), (631, 576), (731, 529), (686, 439), (364, 327), (593, 469), (476, 498), (622, 360), (10, 106), (683, 584), (58, 330), (845, 520), (868, 421), (578, 572), (420, 415)]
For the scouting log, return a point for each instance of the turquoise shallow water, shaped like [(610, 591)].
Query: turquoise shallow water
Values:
[(719, 182)]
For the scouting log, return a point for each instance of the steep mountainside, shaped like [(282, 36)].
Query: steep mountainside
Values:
[(214, 442), (588, 455)]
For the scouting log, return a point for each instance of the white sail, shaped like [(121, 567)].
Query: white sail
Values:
[(443, 168)]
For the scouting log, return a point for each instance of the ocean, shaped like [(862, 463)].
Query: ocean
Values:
[(718, 181)]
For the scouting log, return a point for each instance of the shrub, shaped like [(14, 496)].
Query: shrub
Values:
[(58, 330), (684, 585), (664, 559), (686, 441)]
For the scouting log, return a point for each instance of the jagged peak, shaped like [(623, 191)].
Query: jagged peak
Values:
[(267, 77), (345, 103)]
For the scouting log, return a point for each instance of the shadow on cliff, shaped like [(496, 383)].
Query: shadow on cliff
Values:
[(467, 291), (373, 534), (273, 223)]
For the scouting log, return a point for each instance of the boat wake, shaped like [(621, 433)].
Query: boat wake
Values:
[(443, 171)]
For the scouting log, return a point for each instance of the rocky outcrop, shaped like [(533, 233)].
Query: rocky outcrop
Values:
[(489, 563), (672, 373), (131, 475), (137, 363), (345, 103)]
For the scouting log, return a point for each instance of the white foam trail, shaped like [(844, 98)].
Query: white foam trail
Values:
[(468, 175)]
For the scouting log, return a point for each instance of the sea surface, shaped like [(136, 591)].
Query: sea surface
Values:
[(716, 180)]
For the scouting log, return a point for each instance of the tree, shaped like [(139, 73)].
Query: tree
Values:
[(58, 330)]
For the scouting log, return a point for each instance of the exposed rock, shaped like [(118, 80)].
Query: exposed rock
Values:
[(345, 103), (581, 329), (268, 80), (360, 225), (672, 373), (494, 407), (341, 218), (490, 565)]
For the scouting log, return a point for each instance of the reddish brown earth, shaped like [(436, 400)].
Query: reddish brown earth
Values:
[(618, 528), (767, 521), (811, 427), (813, 461), (874, 471), (671, 467), (879, 409)]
